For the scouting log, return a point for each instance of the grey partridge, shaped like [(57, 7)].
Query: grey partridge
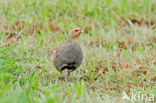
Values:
[(69, 56)]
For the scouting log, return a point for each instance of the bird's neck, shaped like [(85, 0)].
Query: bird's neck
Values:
[(73, 39)]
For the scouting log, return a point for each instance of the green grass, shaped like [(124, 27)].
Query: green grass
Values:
[(119, 50)]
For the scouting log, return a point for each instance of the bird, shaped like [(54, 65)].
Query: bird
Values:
[(69, 56)]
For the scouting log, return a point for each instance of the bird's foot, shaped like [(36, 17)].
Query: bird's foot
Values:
[(65, 75), (66, 81)]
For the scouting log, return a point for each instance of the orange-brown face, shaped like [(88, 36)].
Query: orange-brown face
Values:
[(76, 32)]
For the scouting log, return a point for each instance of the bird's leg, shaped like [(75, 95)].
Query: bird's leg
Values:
[(65, 75)]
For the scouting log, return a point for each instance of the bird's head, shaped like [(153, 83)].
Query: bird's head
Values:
[(75, 33)]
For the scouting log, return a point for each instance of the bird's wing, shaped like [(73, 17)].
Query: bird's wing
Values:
[(62, 56), (66, 54), (71, 54)]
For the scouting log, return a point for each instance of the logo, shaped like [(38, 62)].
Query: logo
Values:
[(135, 95)]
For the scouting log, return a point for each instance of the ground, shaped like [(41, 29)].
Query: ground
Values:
[(119, 45)]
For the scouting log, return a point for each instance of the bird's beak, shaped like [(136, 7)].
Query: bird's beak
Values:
[(82, 31)]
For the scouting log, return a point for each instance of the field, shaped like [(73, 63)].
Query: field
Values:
[(119, 45)]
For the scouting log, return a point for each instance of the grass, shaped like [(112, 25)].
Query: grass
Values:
[(119, 46)]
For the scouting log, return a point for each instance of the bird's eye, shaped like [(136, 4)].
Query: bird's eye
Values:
[(76, 30)]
